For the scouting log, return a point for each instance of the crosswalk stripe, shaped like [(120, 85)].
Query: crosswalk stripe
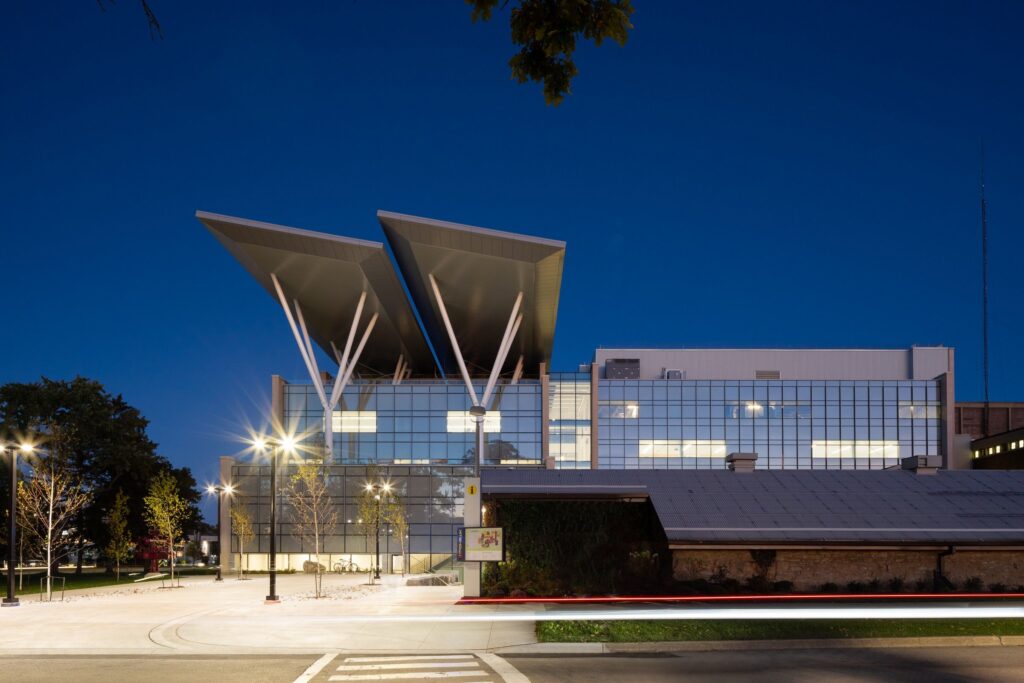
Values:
[(394, 676), (315, 668), (402, 658), (406, 665)]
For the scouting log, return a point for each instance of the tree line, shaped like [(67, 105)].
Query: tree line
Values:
[(94, 481)]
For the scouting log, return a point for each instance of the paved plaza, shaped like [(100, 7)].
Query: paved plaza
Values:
[(206, 617)]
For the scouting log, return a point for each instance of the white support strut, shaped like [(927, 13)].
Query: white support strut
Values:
[(505, 350), (298, 340), (517, 374), (399, 370), (499, 358), (355, 356), (454, 341), (343, 363)]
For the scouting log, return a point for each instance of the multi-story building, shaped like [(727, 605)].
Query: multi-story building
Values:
[(442, 355)]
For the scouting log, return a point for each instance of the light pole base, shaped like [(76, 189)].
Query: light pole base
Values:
[(272, 600), (10, 602)]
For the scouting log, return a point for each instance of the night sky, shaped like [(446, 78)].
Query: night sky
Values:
[(740, 174)]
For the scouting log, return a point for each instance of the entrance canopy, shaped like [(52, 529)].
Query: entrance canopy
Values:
[(327, 275), (479, 273)]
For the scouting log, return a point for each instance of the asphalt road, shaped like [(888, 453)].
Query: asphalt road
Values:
[(932, 665)]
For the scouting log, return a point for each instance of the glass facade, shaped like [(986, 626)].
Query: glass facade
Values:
[(419, 423), (433, 498), (569, 404), (679, 424)]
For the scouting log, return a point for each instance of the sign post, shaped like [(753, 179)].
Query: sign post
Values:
[(472, 517)]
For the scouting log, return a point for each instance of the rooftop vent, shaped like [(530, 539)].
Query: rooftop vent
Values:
[(741, 462), (670, 373), (622, 368), (767, 374), (922, 464)]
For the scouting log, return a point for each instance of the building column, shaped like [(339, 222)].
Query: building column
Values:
[(224, 554), (594, 403)]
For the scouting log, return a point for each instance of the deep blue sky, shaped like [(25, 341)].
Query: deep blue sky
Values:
[(794, 174)]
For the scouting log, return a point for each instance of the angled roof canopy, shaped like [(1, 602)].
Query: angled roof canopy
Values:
[(327, 274), (479, 272)]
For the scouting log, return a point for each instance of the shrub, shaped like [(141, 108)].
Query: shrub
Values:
[(920, 586), (829, 588), (874, 586), (855, 587), (896, 584), (997, 588), (782, 587)]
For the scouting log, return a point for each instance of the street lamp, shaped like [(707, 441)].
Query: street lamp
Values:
[(220, 492), (286, 443), (376, 490), (12, 530)]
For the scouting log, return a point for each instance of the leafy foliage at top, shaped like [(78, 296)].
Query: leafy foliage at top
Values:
[(547, 31)]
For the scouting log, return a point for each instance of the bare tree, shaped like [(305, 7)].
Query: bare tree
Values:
[(241, 524), (120, 546), (166, 512), (48, 502), (313, 511)]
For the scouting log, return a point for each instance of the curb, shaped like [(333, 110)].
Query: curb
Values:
[(745, 645)]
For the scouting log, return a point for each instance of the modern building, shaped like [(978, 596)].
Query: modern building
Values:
[(1003, 451), (439, 348), (979, 420)]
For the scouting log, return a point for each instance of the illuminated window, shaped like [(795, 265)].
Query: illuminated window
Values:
[(855, 449), (686, 448), (354, 421), (912, 411), (462, 421), (626, 410), (999, 449)]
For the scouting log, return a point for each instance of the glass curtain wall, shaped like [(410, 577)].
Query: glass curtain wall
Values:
[(679, 424), (569, 419)]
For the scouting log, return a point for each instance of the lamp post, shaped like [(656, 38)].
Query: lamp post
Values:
[(376, 490), (220, 491), (275, 445), (12, 530)]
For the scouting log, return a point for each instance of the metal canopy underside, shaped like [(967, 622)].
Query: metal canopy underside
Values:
[(479, 272), (327, 274)]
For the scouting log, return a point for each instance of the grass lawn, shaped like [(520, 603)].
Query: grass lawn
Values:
[(651, 631), (90, 579)]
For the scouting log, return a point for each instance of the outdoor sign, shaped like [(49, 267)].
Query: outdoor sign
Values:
[(481, 544)]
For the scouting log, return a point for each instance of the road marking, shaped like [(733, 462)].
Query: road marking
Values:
[(508, 673), (406, 665), (315, 668), (408, 675), (403, 658)]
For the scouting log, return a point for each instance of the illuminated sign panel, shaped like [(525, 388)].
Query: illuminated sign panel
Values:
[(481, 544)]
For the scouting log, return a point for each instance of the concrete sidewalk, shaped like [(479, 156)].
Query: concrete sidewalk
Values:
[(207, 617)]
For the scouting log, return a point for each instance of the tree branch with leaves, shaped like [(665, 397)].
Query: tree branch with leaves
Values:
[(241, 524), (166, 512), (120, 545), (547, 31)]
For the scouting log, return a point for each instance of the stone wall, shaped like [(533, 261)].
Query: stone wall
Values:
[(809, 569)]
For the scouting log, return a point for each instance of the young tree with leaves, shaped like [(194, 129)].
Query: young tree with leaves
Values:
[(241, 524), (394, 514), (119, 547), (48, 503), (166, 511), (313, 511)]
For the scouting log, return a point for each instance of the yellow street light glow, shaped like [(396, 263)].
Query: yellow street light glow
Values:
[(27, 448), (259, 443), (210, 488), (288, 443), (387, 486), (229, 489), (369, 487)]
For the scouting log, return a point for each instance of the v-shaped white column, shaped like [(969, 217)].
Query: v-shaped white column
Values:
[(479, 409), (346, 364)]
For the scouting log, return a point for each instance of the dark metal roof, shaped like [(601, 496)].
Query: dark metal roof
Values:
[(327, 274), (479, 272), (883, 507)]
